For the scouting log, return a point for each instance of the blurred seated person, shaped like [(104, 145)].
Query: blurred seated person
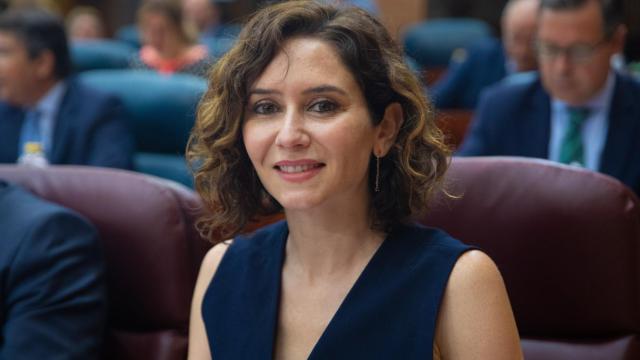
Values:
[(52, 282), (167, 45), (85, 23), (579, 111), (489, 60), (208, 17), (47, 113), (314, 113)]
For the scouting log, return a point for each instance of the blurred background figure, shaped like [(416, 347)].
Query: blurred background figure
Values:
[(580, 111), (168, 46), (488, 61), (85, 23), (205, 16), (211, 20), (518, 34), (46, 113), (53, 301)]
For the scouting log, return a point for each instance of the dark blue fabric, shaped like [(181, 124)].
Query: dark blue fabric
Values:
[(52, 281), (90, 129), (514, 119), (390, 313), (460, 87)]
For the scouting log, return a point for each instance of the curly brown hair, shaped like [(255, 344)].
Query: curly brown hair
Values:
[(224, 175)]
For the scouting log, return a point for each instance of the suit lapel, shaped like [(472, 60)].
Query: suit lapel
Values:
[(624, 116), (536, 124), (63, 129)]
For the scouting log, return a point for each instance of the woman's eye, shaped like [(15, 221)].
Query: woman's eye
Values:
[(265, 108), (323, 106)]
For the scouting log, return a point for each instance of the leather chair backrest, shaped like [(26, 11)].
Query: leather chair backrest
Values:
[(431, 43), (567, 242), (162, 111), (161, 108), (100, 54), (152, 250), (129, 34)]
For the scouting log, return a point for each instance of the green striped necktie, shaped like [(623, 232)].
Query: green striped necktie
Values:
[(572, 149)]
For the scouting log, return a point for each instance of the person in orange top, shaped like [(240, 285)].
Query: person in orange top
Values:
[(168, 46)]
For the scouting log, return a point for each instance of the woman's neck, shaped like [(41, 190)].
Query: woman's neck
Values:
[(326, 242)]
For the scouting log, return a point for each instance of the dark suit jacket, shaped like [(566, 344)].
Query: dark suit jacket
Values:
[(90, 129), (52, 286), (483, 65), (515, 119)]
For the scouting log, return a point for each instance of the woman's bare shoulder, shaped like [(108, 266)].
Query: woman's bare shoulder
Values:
[(212, 260), (198, 342), (475, 317), (473, 271)]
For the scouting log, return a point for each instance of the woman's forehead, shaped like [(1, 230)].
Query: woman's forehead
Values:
[(305, 60)]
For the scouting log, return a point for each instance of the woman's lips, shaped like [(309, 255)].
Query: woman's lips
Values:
[(299, 170)]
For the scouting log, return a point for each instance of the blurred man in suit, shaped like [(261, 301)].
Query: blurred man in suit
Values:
[(579, 111), (44, 110), (52, 285), (489, 61)]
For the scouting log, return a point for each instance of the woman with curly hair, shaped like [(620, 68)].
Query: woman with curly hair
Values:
[(313, 113)]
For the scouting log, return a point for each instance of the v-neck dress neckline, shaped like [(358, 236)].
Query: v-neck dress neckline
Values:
[(389, 312), (344, 303)]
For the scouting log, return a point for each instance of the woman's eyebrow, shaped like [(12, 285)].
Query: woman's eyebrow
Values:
[(323, 89), (313, 90), (260, 91)]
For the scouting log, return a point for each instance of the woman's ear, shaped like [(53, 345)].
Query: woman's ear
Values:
[(388, 129)]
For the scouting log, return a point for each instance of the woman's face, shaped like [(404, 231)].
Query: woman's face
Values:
[(307, 128), (157, 30)]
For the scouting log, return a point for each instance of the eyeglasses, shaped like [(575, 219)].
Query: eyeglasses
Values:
[(575, 53)]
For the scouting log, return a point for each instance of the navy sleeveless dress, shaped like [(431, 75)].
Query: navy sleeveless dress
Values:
[(389, 313)]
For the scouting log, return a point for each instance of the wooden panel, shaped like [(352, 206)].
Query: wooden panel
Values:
[(431, 75), (454, 123)]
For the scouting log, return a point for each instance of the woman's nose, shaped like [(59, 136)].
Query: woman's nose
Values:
[(292, 132)]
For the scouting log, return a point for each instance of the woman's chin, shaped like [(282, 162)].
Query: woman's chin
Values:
[(299, 201)]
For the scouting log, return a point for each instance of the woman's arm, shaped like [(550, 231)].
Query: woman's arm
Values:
[(475, 319), (198, 343)]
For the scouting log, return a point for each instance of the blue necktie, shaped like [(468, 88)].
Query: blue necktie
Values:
[(30, 130)]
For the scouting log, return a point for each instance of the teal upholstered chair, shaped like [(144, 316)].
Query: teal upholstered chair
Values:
[(130, 35), (431, 43), (100, 54), (218, 46), (223, 40), (162, 112)]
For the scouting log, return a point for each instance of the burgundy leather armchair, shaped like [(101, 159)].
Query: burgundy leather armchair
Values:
[(152, 250), (567, 242)]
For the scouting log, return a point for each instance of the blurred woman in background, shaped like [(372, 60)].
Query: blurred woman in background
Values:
[(168, 47)]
